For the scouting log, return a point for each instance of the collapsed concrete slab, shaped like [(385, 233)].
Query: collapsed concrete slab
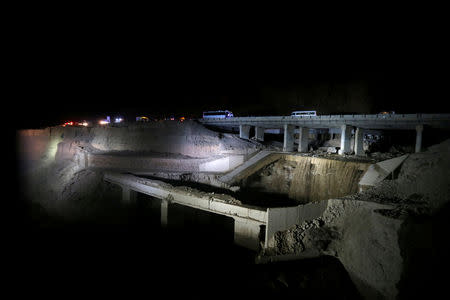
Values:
[(283, 218), (248, 219), (379, 171), (222, 165), (249, 167)]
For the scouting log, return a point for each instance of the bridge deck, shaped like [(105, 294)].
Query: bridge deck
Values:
[(220, 204), (372, 121)]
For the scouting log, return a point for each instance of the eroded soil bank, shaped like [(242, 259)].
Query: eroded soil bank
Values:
[(307, 179)]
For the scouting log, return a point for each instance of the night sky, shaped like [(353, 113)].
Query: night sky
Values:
[(83, 70)]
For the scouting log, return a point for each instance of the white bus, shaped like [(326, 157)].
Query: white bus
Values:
[(303, 113), (220, 114)]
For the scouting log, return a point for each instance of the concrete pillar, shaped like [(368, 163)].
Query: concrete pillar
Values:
[(419, 130), (315, 135), (346, 132), (288, 143), (244, 131), (303, 139), (259, 133), (359, 139), (164, 213), (128, 195), (247, 233)]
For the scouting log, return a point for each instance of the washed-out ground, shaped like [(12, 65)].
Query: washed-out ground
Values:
[(75, 231)]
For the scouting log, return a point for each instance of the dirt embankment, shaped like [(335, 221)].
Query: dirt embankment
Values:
[(188, 138), (306, 179), (53, 162)]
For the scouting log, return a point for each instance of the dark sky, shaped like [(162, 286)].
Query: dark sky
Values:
[(74, 70)]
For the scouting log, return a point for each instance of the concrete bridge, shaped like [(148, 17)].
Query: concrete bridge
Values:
[(254, 226), (346, 123)]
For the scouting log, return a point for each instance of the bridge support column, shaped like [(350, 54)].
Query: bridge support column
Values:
[(359, 139), (303, 139), (164, 213), (247, 233), (259, 133), (128, 195), (244, 131), (346, 132), (419, 130), (288, 143)]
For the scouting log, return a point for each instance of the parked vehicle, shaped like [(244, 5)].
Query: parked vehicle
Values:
[(105, 121), (72, 123), (142, 119), (303, 113), (118, 119), (385, 114), (218, 114)]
